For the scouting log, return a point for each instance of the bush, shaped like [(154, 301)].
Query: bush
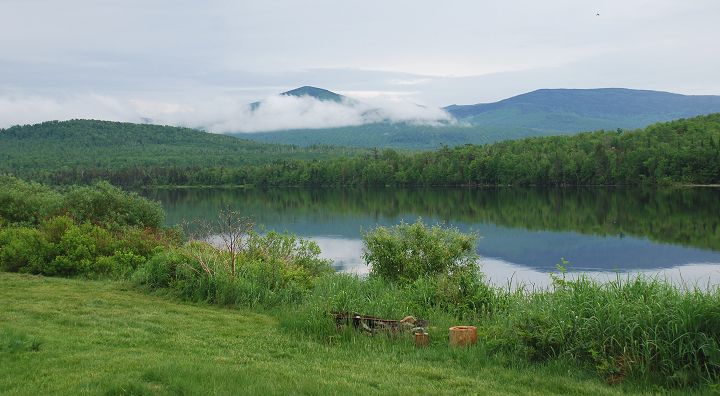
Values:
[(23, 249), (145, 241), (408, 252), (105, 204), (55, 227), (297, 258), (463, 294), (61, 247), (26, 203), (120, 265), (78, 249)]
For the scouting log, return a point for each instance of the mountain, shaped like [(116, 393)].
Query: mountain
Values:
[(575, 110), (539, 113), (318, 93)]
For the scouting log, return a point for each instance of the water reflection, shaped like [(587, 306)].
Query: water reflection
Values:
[(524, 232), (504, 274)]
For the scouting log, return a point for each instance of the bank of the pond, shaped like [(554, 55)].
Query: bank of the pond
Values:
[(60, 336)]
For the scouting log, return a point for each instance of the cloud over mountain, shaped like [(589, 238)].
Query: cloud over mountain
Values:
[(220, 114)]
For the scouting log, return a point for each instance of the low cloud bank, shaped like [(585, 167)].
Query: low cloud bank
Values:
[(218, 114)]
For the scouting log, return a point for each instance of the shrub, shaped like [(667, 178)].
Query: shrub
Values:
[(120, 265), (408, 252), (77, 250), (87, 231), (55, 227), (105, 204), (23, 249), (26, 203), (160, 270), (298, 258), (145, 241)]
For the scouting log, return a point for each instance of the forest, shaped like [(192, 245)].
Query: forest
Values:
[(685, 151), (84, 145)]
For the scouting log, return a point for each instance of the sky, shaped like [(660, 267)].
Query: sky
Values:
[(199, 63)]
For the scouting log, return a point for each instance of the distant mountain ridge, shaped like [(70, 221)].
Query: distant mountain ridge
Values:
[(574, 110), (538, 113)]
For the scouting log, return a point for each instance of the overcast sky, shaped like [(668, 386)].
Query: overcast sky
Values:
[(198, 63)]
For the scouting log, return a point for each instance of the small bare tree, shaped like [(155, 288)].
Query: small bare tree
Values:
[(229, 232)]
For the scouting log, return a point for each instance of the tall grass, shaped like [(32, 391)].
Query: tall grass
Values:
[(636, 327)]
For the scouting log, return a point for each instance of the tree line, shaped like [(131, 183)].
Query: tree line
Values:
[(682, 151)]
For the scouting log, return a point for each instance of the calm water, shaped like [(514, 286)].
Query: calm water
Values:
[(524, 232)]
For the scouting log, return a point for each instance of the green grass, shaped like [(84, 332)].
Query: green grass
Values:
[(60, 336)]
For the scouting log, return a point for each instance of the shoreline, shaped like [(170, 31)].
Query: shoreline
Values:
[(468, 186)]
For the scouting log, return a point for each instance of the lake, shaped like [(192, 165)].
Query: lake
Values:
[(673, 233)]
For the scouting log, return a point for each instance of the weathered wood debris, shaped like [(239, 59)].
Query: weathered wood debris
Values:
[(374, 325)]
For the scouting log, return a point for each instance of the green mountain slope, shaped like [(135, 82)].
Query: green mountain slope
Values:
[(391, 135), (103, 144)]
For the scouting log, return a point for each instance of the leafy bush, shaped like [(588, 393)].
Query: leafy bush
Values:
[(297, 258), (145, 241), (26, 203), (408, 252), (23, 249), (120, 265), (463, 294), (105, 204), (59, 247), (90, 231), (54, 228), (78, 249)]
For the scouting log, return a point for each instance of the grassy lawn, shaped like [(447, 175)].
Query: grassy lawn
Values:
[(64, 336)]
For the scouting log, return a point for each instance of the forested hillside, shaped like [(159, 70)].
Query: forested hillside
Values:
[(88, 145), (683, 151), (389, 135)]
